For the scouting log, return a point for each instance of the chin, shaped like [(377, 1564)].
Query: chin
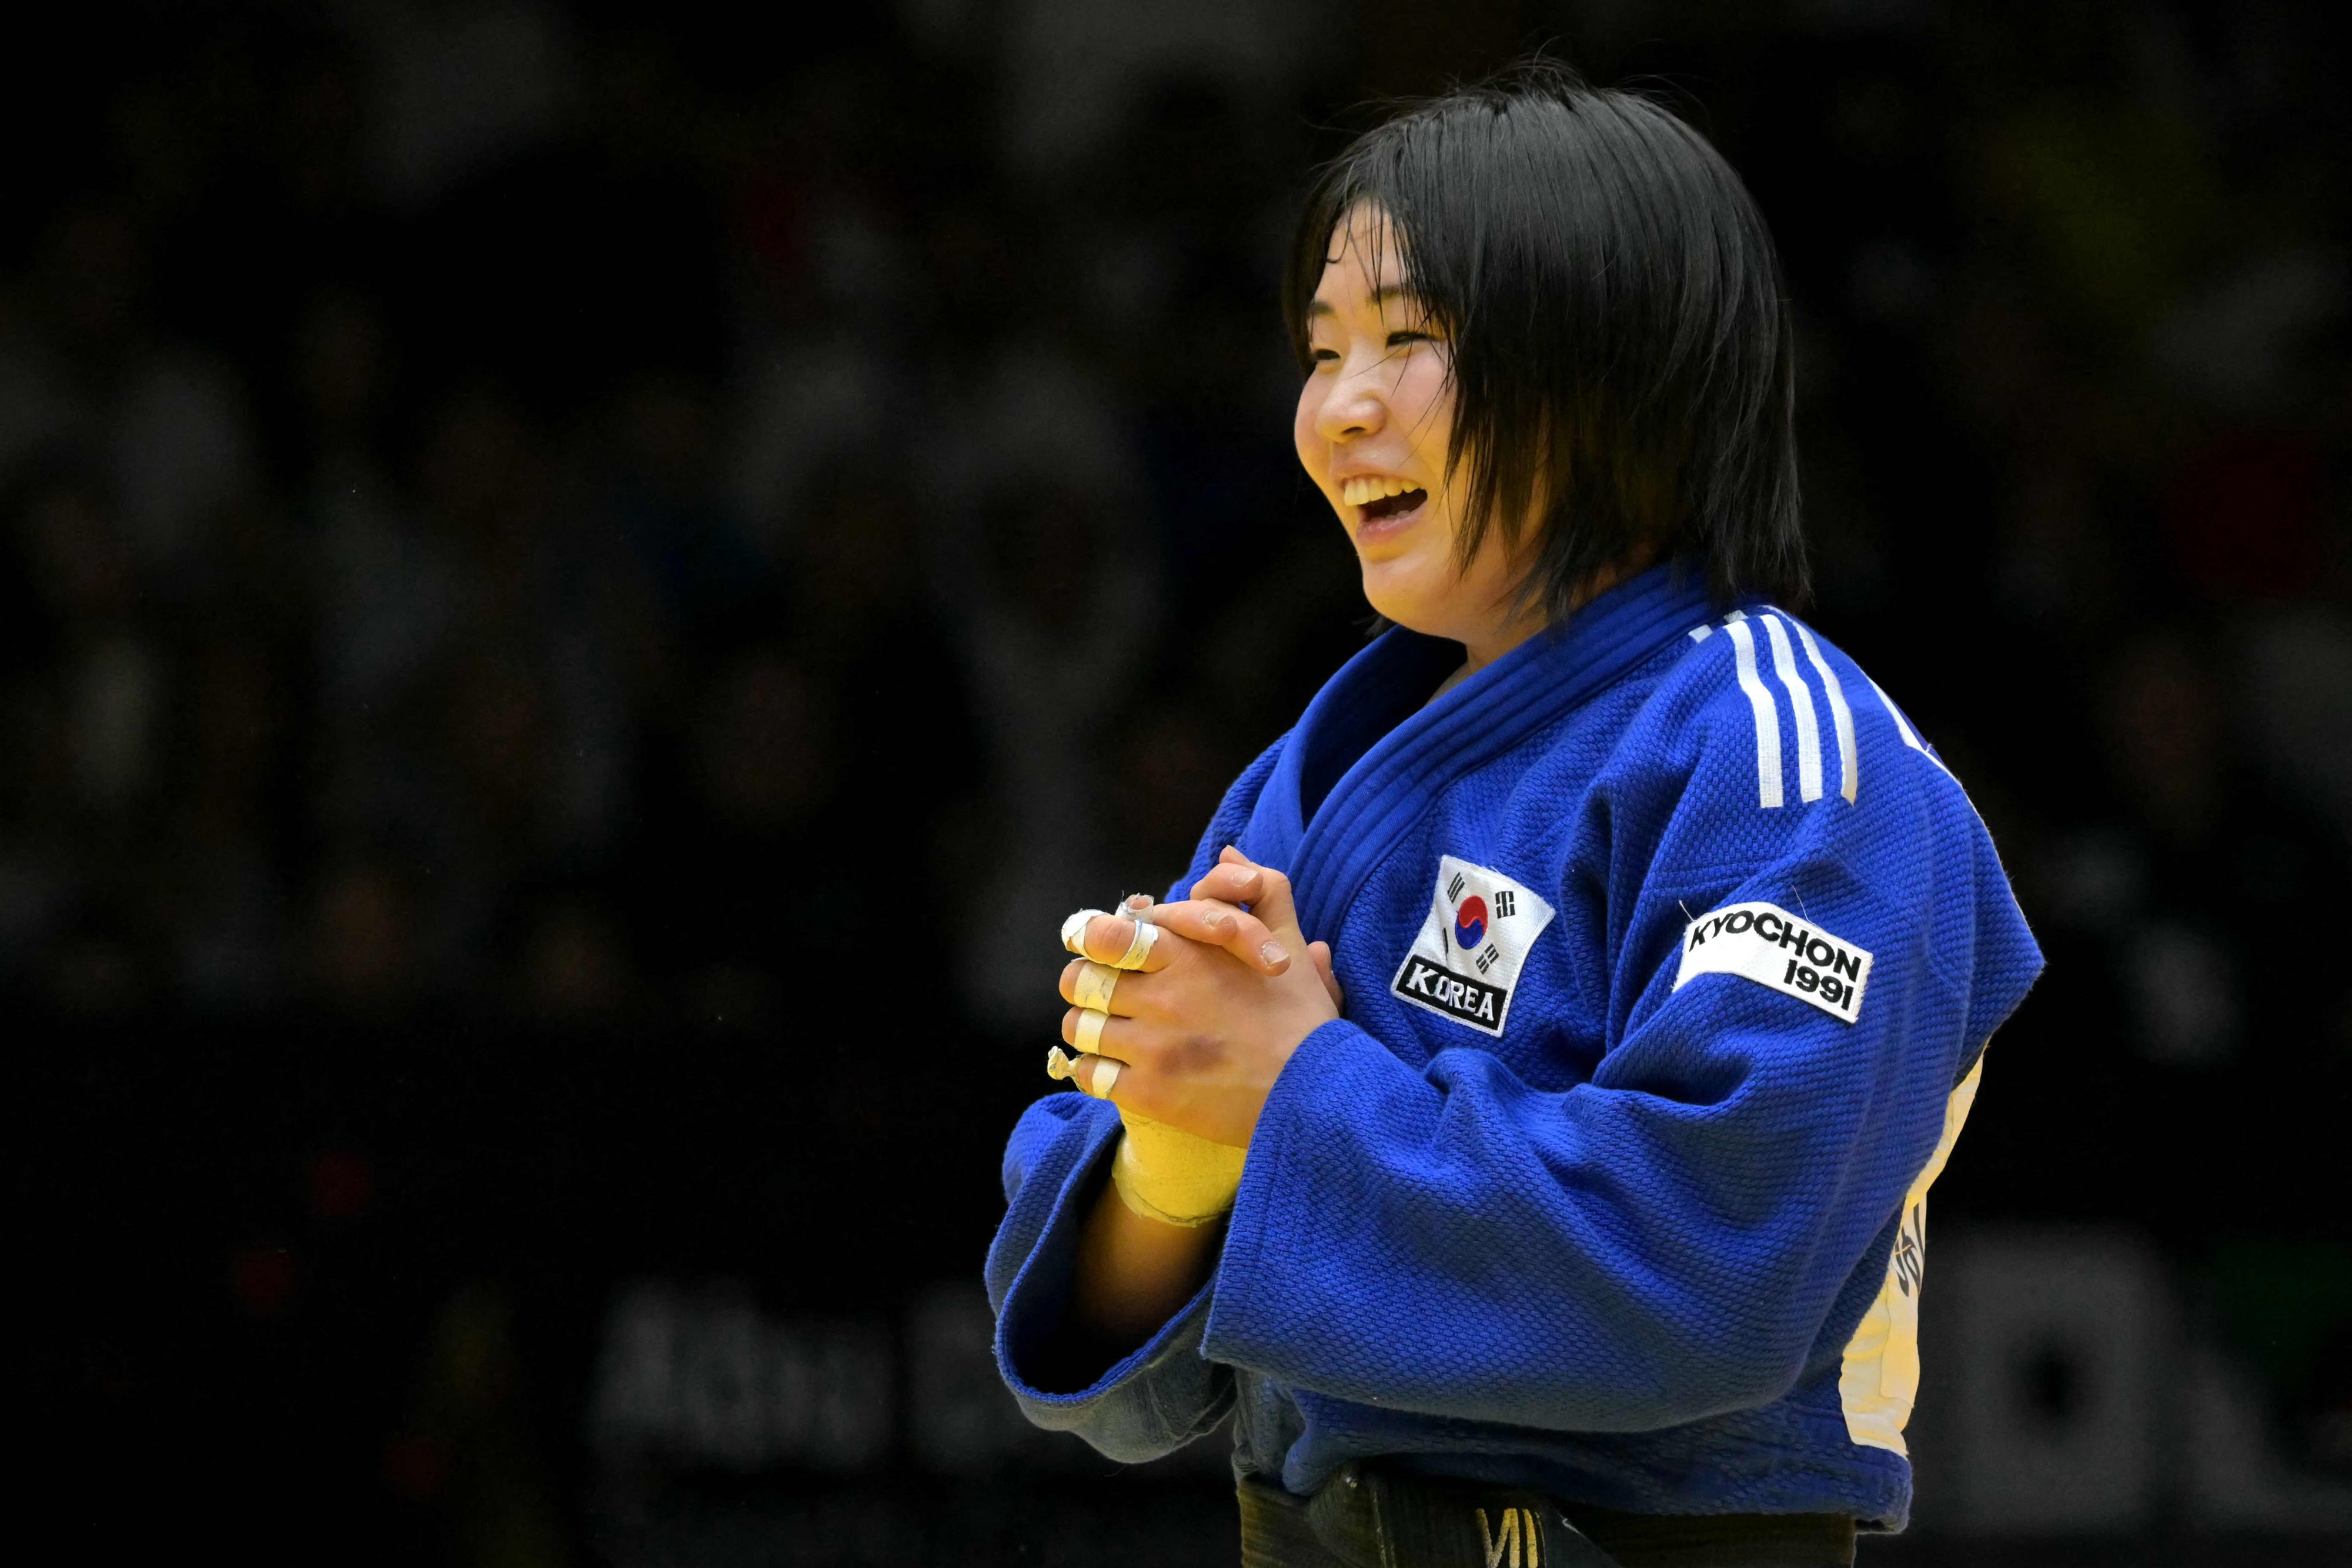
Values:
[(1401, 603)]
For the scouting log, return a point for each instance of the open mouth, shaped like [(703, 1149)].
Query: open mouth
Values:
[(1377, 496), (1394, 506)]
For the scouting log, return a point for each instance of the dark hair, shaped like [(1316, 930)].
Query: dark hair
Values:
[(1620, 341)]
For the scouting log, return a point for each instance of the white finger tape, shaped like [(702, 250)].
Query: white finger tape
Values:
[(1060, 1064), (1105, 1074), (1094, 986), (1138, 946), (1073, 930), (1088, 1037)]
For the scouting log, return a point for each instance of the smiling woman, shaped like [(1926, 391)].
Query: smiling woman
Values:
[(1374, 431), (1568, 1203)]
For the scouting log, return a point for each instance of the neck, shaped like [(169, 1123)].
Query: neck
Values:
[(1493, 643), (1489, 644)]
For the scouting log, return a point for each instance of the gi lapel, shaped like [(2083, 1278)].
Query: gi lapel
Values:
[(1392, 785), (1365, 683)]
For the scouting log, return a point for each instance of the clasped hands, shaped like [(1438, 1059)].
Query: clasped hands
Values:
[(1200, 1031)]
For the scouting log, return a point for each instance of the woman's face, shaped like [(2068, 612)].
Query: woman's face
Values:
[(1374, 420)]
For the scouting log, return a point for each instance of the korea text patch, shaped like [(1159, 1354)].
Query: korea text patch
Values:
[(1466, 961)]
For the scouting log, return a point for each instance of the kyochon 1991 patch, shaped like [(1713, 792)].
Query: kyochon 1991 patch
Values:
[(1465, 962), (1765, 943)]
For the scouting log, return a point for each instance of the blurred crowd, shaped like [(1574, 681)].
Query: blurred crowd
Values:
[(515, 508), (499, 520), (518, 508), (552, 513)]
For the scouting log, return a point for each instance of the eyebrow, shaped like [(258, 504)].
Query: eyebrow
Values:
[(1381, 296)]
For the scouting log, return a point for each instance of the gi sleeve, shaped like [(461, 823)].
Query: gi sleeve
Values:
[(1665, 1241), (1149, 1402), (1164, 1395)]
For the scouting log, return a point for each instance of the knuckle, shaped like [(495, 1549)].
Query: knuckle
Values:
[(1190, 1054)]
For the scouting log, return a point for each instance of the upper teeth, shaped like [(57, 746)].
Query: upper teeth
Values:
[(1366, 488)]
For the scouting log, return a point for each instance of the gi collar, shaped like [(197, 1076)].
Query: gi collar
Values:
[(1392, 784)]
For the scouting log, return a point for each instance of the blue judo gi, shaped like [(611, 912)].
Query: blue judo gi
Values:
[(1670, 954)]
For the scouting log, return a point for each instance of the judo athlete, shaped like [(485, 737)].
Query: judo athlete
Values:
[(1563, 1200)]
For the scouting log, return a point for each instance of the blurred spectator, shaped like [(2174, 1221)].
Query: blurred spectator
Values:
[(230, 898), (867, 618), (168, 423), (364, 940), (458, 86), (742, 889), (698, 572), (1057, 621), (2208, 891), (572, 969), (1173, 767)]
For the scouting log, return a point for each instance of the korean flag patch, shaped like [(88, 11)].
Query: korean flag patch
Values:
[(1465, 962)]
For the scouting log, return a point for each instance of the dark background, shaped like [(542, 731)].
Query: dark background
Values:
[(546, 543)]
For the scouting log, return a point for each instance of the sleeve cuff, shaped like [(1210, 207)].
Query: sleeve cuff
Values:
[(1038, 1301)]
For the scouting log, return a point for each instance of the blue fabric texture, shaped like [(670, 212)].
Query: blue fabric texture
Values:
[(1614, 1249)]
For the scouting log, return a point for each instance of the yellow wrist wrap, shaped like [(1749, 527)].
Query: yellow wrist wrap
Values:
[(1173, 1176)]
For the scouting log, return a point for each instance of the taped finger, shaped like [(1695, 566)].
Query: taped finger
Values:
[(1105, 1076), (1138, 945), (1092, 1033), (1095, 1075), (1073, 930), (1093, 987), (1101, 944)]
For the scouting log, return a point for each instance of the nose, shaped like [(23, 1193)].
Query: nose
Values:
[(1353, 408)]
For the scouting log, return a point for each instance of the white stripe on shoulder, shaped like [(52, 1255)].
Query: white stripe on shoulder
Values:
[(1903, 727), (1801, 698), (1767, 716), (1840, 715), (1701, 632)]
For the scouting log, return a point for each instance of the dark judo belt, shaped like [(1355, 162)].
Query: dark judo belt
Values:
[(1370, 1517)]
